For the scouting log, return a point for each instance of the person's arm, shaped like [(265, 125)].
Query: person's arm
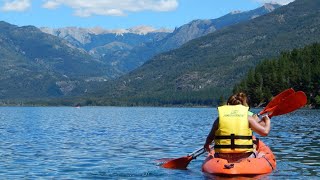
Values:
[(210, 136), (262, 129), (256, 117)]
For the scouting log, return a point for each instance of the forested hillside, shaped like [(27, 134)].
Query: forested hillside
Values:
[(299, 69)]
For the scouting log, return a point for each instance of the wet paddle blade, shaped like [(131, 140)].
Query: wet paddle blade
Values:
[(276, 100), (179, 163), (291, 103)]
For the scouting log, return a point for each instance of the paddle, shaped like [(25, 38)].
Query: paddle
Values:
[(182, 162), (289, 104), (276, 100)]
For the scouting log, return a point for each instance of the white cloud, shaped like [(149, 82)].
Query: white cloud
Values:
[(283, 2), (87, 8), (50, 5), (16, 5)]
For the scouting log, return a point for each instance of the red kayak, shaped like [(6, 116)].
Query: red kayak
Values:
[(264, 163)]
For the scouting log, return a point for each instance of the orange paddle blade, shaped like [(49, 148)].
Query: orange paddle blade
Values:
[(291, 103), (276, 100), (179, 163)]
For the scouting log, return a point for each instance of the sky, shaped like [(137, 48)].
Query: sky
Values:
[(119, 14)]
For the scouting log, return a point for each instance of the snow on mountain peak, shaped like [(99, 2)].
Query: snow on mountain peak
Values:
[(269, 6), (236, 12)]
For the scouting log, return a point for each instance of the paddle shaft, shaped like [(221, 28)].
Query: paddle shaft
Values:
[(197, 152)]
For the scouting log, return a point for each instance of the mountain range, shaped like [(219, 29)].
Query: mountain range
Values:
[(211, 65), (47, 63), (127, 49)]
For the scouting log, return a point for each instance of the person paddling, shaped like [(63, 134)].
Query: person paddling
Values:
[(232, 130)]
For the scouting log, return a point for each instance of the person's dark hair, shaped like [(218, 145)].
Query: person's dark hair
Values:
[(239, 98)]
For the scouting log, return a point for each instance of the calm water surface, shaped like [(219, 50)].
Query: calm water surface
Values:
[(124, 143)]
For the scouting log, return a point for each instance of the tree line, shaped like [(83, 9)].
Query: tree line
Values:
[(298, 69)]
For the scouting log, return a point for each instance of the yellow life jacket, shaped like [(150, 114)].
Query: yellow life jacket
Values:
[(233, 134)]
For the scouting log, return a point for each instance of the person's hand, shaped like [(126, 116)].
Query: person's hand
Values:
[(266, 119), (206, 147)]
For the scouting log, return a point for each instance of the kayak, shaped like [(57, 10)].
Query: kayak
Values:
[(264, 163)]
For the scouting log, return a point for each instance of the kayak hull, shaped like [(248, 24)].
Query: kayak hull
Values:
[(264, 163)]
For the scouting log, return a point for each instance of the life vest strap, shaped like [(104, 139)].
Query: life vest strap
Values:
[(234, 137), (234, 146)]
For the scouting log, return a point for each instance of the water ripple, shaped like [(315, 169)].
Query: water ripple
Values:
[(124, 143)]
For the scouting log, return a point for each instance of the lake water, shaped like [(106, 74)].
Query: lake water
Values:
[(124, 143)]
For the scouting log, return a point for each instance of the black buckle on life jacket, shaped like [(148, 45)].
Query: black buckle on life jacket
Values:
[(232, 142)]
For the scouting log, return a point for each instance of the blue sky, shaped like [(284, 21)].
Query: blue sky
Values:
[(115, 14)]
